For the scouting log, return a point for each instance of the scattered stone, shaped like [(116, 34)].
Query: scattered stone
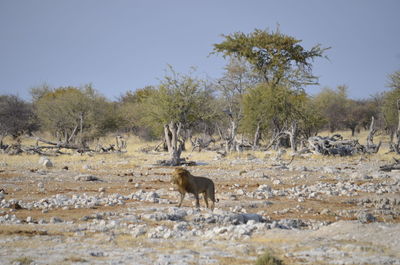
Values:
[(277, 182), (330, 170), (366, 177), (55, 220), (97, 254), (86, 167), (365, 217), (16, 206), (48, 163), (86, 178), (325, 211), (42, 159), (139, 230)]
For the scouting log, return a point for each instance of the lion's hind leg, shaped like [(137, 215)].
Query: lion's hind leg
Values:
[(210, 193), (205, 198)]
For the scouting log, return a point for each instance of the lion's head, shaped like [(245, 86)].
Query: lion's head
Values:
[(180, 177)]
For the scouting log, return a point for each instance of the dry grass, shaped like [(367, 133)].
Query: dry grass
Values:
[(268, 258), (74, 259), (23, 261)]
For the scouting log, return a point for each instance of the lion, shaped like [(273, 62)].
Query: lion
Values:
[(186, 182)]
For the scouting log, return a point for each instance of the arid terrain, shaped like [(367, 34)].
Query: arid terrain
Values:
[(120, 208)]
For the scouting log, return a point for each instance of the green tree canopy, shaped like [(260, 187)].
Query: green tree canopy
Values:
[(277, 57), (179, 98), (69, 111), (134, 112), (331, 104), (275, 107), (389, 106), (179, 104)]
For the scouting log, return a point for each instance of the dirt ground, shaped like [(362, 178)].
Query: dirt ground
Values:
[(328, 194)]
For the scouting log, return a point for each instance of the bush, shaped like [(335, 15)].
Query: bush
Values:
[(268, 259), (23, 261)]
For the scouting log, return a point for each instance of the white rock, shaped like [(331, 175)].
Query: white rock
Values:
[(40, 185), (42, 159), (47, 163), (181, 226), (252, 217), (86, 167), (55, 219), (240, 192), (277, 182), (264, 188)]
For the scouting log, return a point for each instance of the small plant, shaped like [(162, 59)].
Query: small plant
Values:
[(75, 259), (268, 259), (23, 261)]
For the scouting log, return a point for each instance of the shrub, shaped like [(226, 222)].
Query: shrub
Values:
[(268, 259), (23, 261)]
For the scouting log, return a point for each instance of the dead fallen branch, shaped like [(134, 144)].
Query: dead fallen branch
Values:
[(182, 162), (335, 145), (390, 167), (51, 148)]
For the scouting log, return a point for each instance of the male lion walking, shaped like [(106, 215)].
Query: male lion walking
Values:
[(186, 182)]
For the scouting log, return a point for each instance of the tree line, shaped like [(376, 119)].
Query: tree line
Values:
[(259, 101)]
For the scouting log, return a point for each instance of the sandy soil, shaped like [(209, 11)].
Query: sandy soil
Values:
[(349, 211)]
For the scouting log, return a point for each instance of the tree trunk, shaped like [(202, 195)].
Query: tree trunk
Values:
[(332, 127), (1, 141), (257, 136), (171, 133), (65, 136), (72, 134), (371, 147), (396, 145), (233, 143), (293, 136), (81, 123), (372, 131), (353, 131)]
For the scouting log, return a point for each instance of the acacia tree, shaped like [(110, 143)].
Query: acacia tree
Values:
[(277, 57), (180, 102), (281, 111), (282, 63)]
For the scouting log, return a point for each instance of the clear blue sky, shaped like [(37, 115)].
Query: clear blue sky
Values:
[(121, 45)]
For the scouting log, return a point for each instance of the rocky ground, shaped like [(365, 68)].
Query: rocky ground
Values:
[(121, 209)]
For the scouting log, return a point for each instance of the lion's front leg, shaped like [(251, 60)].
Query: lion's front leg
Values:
[(182, 196)]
